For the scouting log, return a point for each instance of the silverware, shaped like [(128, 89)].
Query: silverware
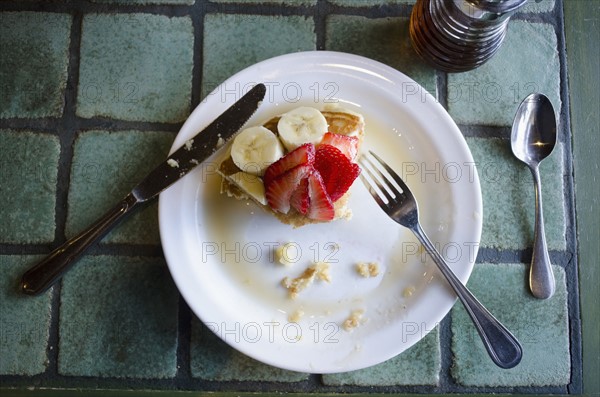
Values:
[(401, 206), (533, 138), (44, 274)]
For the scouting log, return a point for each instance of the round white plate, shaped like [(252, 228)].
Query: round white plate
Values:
[(220, 250)]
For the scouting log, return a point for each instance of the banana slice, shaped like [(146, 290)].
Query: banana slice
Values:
[(255, 149), (301, 125), (251, 184)]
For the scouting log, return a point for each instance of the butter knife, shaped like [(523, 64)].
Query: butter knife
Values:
[(44, 274)]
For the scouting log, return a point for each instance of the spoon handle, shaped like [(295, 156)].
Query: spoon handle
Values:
[(541, 278)]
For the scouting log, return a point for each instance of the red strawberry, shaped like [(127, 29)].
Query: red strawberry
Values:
[(279, 190), (304, 154), (347, 144), (321, 206), (337, 171), (300, 199)]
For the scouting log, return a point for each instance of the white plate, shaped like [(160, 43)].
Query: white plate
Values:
[(219, 250)]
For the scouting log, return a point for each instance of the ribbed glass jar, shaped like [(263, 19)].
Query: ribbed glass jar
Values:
[(460, 35)]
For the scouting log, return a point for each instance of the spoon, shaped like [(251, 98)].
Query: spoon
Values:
[(532, 139)]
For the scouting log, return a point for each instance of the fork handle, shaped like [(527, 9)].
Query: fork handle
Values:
[(504, 349)]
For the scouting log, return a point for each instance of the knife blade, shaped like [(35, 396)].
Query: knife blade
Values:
[(44, 274), (201, 146)]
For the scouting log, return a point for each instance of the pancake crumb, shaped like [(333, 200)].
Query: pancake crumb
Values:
[(296, 316), (408, 291), (367, 269), (318, 270), (355, 319)]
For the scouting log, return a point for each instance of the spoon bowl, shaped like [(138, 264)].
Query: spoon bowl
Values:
[(533, 135), (533, 138)]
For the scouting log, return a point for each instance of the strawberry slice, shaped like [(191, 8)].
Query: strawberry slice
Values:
[(347, 144), (304, 154), (280, 189), (300, 199), (337, 171), (321, 206)]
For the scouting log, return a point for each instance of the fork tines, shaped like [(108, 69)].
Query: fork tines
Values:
[(381, 180)]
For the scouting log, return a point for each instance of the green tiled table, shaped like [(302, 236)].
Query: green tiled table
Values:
[(85, 85)]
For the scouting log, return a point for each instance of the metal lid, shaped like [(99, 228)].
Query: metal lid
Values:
[(486, 10), (497, 6)]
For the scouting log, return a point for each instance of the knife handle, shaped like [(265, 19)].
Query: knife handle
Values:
[(44, 274)]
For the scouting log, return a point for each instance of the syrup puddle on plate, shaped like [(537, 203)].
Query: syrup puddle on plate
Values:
[(242, 237)]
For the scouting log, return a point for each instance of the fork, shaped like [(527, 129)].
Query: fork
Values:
[(503, 348)]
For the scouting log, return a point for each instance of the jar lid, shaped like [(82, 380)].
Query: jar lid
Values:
[(497, 6)]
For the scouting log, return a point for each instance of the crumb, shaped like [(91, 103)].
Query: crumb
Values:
[(173, 163), (296, 316), (408, 291), (220, 142), (370, 269), (355, 319), (282, 254), (319, 270), (347, 214), (188, 144), (323, 271), (194, 161)]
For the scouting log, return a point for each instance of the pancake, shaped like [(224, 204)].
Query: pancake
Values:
[(340, 121)]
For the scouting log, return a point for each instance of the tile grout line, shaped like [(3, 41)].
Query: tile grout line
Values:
[(197, 15), (571, 267), (183, 372), (63, 178), (183, 358), (446, 381), (320, 19)]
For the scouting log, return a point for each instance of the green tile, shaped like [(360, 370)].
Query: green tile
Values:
[(135, 67), (212, 359), (24, 321), (542, 327), (146, 1), (233, 42), (118, 318), (527, 62), (33, 66), (28, 171), (382, 39), (106, 166), (509, 196), (538, 6), (369, 3), (419, 365), (283, 2)]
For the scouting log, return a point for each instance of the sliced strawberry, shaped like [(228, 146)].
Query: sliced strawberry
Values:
[(337, 171), (279, 190), (347, 144), (300, 199), (321, 206), (304, 154)]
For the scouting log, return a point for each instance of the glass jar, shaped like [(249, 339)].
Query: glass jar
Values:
[(460, 35)]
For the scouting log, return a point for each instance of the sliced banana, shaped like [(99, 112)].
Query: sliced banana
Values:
[(251, 185), (254, 149), (301, 125)]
